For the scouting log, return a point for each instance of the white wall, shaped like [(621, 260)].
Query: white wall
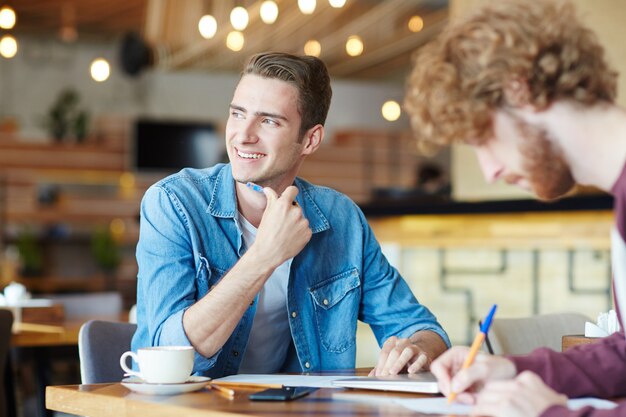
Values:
[(30, 82)]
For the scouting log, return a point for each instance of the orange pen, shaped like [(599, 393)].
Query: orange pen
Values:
[(478, 341)]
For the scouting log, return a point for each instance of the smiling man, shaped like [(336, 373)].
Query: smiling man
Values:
[(272, 281), (528, 87)]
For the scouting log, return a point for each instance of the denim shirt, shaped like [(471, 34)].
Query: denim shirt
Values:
[(189, 238)]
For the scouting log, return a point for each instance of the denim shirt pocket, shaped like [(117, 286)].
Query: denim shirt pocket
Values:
[(336, 301), (207, 276)]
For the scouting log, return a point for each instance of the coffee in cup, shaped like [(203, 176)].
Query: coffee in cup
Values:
[(161, 364)]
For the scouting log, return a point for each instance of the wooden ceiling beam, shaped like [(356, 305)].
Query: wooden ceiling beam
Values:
[(399, 46)]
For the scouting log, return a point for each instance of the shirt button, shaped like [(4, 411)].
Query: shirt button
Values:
[(294, 314), (252, 302), (235, 353), (307, 365), (325, 302)]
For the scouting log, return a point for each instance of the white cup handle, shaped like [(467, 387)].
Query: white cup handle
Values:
[(126, 369)]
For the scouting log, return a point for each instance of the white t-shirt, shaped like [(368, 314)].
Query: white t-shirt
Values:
[(270, 336)]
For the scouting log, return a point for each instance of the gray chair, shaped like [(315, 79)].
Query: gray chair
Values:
[(7, 399), (100, 345), (519, 336)]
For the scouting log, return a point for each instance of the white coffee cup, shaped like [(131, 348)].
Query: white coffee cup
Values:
[(161, 364)]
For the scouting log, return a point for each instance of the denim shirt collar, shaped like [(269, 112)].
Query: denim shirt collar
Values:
[(224, 200)]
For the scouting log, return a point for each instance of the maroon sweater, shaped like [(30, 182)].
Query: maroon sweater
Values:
[(598, 369)]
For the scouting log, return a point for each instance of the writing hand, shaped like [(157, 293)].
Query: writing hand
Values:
[(466, 382), (525, 396)]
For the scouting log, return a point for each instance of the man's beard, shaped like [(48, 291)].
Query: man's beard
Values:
[(548, 174)]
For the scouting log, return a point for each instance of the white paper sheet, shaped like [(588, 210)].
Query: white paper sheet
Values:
[(317, 381), (440, 405)]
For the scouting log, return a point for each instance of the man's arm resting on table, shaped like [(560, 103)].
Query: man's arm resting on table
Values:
[(431, 343)]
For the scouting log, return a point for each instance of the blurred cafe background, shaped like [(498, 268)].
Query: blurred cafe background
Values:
[(101, 98)]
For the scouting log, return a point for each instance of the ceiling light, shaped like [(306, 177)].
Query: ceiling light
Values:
[(306, 6), (8, 46), (337, 4), (269, 12), (235, 41), (207, 26), (354, 46), (7, 17), (416, 23), (239, 18), (312, 48), (100, 70), (391, 110)]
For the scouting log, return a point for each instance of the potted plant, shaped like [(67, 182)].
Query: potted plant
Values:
[(30, 254)]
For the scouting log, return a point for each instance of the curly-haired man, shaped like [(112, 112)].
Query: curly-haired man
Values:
[(529, 88)]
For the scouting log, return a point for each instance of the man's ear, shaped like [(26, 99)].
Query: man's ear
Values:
[(313, 139), (517, 93)]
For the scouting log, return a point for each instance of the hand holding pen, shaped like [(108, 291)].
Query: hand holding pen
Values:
[(478, 341), (283, 231), (466, 381)]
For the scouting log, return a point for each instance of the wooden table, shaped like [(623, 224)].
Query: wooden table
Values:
[(104, 400), (44, 344), (569, 341)]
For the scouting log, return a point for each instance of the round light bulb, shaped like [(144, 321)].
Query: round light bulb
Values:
[(416, 23), (307, 6), (8, 46), (235, 41), (354, 46), (7, 17), (312, 48), (391, 110), (207, 26), (239, 18), (269, 12), (100, 70), (337, 4)]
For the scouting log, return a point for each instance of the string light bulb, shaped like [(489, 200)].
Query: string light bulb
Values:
[(312, 48), (307, 6), (239, 18), (354, 45), (100, 70), (7, 17), (8, 46), (269, 12), (416, 24), (207, 26), (235, 41), (391, 110), (337, 4)]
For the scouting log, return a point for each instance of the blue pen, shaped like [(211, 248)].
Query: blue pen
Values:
[(258, 188), (255, 187), (480, 337)]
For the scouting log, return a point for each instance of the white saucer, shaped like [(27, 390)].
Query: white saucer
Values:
[(136, 384)]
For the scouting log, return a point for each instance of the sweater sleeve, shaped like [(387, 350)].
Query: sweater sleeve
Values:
[(561, 411), (597, 369)]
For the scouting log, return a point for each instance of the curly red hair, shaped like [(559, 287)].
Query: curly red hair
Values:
[(459, 79)]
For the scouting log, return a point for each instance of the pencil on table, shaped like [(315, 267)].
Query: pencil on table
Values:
[(224, 392)]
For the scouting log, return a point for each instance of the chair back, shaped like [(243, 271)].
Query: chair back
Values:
[(6, 322), (100, 345), (519, 336)]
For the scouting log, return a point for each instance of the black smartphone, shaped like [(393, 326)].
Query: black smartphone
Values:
[(281, 394)]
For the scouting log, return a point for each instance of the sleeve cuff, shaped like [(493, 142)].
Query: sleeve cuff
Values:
[(173, 334)]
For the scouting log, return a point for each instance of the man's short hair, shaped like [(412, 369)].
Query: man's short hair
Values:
[(307, 73), (458, 80)]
